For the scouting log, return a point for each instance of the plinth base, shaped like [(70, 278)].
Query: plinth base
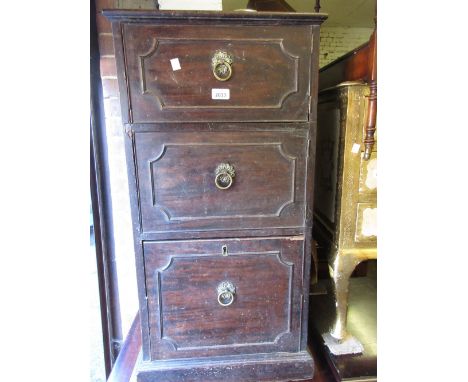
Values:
[(245, 368)]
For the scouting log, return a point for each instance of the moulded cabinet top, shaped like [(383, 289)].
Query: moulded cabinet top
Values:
[(194, 17)]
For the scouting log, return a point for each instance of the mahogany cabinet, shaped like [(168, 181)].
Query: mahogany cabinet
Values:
[(220, 121)]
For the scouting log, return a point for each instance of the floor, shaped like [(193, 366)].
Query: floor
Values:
[(362, 324), (97, 372), (362, 314)]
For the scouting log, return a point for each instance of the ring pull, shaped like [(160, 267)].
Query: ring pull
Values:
[(221, 64), (226, 292), (224, 176)]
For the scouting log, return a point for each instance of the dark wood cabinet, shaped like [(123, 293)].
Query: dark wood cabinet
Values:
[(220, 117)]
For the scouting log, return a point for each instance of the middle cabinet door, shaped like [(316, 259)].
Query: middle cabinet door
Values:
[(220, 179)]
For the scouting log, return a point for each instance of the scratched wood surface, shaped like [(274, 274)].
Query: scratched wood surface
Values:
[(270, 81), (176, 179), (182, 279), (125, 367), (175, 137), (266, 82)]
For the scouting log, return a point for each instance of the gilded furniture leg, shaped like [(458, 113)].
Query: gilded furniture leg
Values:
[(341, 270), (345, 261)]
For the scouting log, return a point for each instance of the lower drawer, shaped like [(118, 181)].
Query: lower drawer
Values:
[(219, 297)]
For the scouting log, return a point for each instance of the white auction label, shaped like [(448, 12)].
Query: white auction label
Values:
[(220, 94), (175, 64)]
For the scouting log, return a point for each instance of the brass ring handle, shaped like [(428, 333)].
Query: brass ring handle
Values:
[(221, 63), (226, 298), (222, 71), (226, 291), (224, 176), (223, 181)]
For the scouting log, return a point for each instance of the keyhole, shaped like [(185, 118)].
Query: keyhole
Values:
[(224, 251)]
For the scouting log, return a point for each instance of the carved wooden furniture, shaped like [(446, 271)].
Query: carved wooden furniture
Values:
[(346, 178), (220, 117), (346, 189)]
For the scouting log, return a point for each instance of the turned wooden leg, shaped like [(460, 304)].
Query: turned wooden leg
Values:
[(341, 270)]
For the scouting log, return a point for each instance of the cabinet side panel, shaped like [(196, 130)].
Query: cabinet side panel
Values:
[(139, 263)]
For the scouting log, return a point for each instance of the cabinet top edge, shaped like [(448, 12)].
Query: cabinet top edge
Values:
[(214, 16)]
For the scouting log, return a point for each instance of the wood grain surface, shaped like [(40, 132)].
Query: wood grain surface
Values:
[(187, 320), (176, 179), (269, 81)]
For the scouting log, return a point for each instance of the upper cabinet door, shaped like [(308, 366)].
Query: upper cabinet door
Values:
[(216, 73)]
